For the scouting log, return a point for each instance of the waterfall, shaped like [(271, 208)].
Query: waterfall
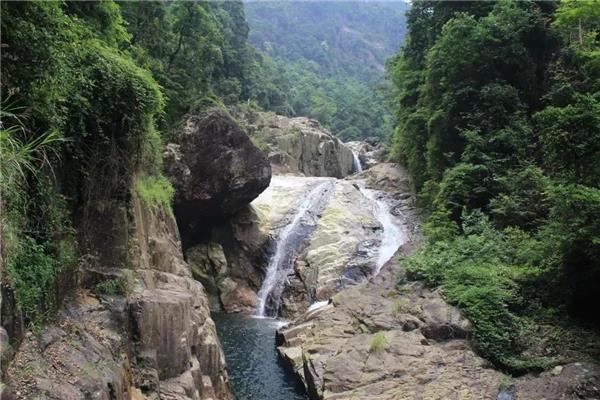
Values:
[(392, 237), (357, 168), (289, 239)]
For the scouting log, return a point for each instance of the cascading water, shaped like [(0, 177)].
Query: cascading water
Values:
[(392, 237), (289, 239), (356, 165)]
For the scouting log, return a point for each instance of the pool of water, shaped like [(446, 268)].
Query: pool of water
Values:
[(256, 372)]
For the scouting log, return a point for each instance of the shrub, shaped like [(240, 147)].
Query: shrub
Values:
[(399, 307), (155, 191), (119, 286), (378, 343), (478, 274), (33, 273)]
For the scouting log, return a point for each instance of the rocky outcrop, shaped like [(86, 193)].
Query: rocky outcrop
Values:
[(376, 341), (215, 168), (298, 145), (339, 251), (230, 264), (370, 152), (153, 339)]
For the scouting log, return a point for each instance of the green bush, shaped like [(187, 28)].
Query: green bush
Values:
[(119, 286), (378, 342), (480, 273), (155, 191), (33, 273)]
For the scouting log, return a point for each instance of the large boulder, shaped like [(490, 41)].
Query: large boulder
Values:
[(215, 168)]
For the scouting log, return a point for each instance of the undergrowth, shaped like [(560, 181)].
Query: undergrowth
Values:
[(118, 286), (155, 191), (493, 276), (378, 343)]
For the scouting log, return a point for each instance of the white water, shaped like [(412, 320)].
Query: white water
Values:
[(356, 163), (317, 305), (310, 201), (392, 237)]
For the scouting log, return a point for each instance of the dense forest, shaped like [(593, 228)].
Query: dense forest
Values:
[(332, 56), (499, 122), (88, 85)]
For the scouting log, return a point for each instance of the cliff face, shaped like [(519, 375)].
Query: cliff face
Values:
[(155, 340), (298, 145)]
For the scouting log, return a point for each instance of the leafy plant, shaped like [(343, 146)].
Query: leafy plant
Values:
[(399, 306), (378, 342), (119, 286), (155, 191)]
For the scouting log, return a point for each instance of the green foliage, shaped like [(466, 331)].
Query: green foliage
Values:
[(522, 200), (330, 67), (498, 122), (570, 138), (481, 272), (34, 273), (89, 111), (119, 286), (399, 306), (463, 186), (378, 342), (155, 191)]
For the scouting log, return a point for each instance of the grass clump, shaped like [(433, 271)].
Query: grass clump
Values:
[(119, 286), (155, 191), (260, 142), (378, 343), (399, 306)]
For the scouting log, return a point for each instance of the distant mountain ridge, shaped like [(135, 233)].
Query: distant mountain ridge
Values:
[(355, 37)]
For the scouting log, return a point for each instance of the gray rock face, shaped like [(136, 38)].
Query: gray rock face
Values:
[(157, 341), (299, 145), (333, 348), (311, 149), (231, 263), (215, 168)]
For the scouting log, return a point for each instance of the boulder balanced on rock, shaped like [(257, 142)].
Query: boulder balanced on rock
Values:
[(215, 168)]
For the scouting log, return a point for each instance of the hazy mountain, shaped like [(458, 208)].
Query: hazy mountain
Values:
[(355, 37)]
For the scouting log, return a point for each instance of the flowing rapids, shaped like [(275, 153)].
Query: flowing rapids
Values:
[(288, 241), (393, 236), (256, 371)]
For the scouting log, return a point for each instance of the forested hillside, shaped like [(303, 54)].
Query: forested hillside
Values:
[(498, 107), (88, 85), (332, 55)]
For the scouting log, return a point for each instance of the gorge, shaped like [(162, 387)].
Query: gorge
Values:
[(271, 200)]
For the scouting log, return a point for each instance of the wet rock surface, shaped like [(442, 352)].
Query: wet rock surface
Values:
[(341, 250), (215, 168)]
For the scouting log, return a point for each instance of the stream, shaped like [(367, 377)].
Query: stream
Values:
[(256, 372)]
